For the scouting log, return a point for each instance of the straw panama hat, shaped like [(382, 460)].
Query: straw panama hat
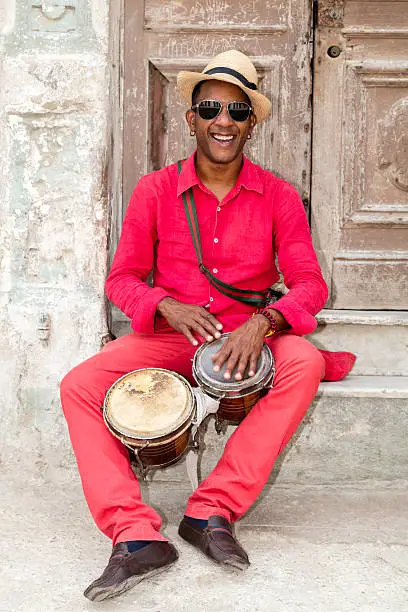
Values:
[(232, 67)]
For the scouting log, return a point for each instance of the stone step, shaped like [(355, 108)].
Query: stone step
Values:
[(378, 338), (354, 430), (300, 506)]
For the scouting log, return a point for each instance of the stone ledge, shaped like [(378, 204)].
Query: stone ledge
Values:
[(362, 317), (366, 386), (378, 338)]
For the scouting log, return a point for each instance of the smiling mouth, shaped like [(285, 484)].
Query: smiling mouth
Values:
[(223, 138)]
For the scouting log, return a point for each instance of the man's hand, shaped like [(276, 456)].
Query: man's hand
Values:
[(244, 345), (242, 348), (189, 319)]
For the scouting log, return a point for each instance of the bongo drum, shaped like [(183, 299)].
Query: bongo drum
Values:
[(237, 397), (151, 412)]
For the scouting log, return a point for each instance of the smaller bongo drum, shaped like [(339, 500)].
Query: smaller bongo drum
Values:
[(237, 397), (151, 412)]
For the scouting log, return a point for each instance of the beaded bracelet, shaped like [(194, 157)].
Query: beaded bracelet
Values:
[(272, 321)]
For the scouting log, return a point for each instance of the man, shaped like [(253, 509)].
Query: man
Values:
[(246, 215)]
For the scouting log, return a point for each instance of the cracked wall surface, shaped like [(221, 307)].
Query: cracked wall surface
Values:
[(54, 215)]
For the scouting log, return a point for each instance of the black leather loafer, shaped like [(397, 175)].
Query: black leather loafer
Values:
[(216, 541), (126, 569)]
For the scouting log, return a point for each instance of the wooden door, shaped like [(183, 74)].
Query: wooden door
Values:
[(360, 152), (162, 38)]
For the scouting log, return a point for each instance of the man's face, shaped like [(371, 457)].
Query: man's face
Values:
[(221, 140)]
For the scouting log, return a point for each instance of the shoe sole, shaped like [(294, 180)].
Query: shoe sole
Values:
[(100, 594)]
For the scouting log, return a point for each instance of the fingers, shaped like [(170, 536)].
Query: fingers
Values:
[(231, 363), (242, 365), (211, 325), (231, 357), (190, 319), (221, 356), (235, 358), (213, 320), (199, 321), (244, 361), (199, 329), (186, 331), (253, 364)]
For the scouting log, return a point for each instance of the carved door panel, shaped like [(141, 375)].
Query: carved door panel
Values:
[(360, 152), (162, 38)]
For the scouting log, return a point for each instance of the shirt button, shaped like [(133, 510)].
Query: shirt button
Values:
[(211, 299), (215, 240), (218, 208), (215, 270)]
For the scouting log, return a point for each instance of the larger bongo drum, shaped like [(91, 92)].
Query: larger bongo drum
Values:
[(236, 397), (151, 412)]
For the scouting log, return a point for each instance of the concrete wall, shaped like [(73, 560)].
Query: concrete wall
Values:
[(54, 213)]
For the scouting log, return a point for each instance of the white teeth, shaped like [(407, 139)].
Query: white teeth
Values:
[(221, 137)]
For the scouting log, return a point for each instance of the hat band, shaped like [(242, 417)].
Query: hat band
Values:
[(234, 73)]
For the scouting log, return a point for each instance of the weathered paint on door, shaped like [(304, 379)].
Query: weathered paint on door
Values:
[(360, 152)]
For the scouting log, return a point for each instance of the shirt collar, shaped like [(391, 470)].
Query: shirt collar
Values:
[(188, 175), (248, 177)]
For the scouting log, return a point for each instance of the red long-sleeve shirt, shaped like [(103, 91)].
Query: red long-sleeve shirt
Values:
[(261, 217)]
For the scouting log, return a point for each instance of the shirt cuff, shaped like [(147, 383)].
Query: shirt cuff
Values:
[(143, 319), (301, 321)]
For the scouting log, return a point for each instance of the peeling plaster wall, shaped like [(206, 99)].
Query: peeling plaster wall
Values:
[(54, 216)]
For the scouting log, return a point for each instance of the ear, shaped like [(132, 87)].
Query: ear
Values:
[(252, 124), (190, 118)]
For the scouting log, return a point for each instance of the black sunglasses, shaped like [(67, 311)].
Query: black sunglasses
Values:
[(210, 109)]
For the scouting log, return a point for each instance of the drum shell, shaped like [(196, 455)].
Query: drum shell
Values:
[(157, 452), (235, 409)]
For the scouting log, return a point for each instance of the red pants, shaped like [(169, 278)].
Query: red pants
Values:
[(112, 490)]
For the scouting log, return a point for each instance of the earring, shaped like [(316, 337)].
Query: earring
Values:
[(249, 136), (192, 133)]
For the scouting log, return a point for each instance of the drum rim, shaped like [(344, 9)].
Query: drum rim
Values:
[(237, 394), (245, 387), (120, 434)]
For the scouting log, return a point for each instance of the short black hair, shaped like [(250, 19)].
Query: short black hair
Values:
[(197, 88)]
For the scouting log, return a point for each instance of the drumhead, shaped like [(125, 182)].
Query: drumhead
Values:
[(204, 374), (148, 403)]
